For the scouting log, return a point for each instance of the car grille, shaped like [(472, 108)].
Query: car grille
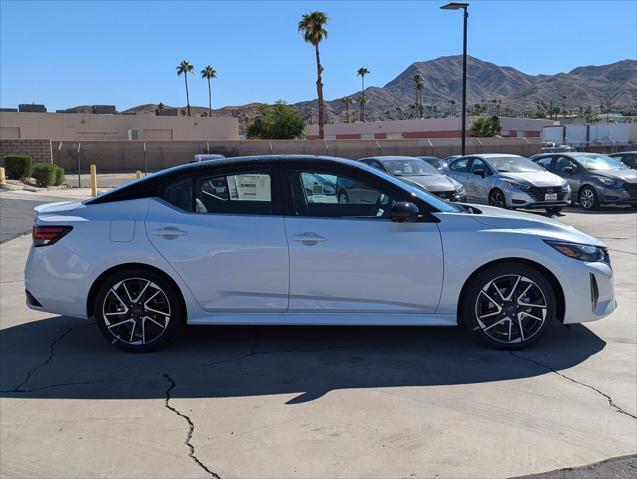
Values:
[(445, 195), (537, 193), (631, 188)]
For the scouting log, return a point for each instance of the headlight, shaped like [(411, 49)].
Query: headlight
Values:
[(519, 186), (609, 181), (460, 190), (583, 252)]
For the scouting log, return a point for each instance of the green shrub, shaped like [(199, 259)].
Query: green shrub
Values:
[(59, 175), (18, 167), (44, 173)]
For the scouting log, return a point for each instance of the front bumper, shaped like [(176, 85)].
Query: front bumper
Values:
[(618, 196), (450, 195), (588, 292), (536, 197)]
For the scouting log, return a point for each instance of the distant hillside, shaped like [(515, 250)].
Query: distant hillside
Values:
[(614, 85)]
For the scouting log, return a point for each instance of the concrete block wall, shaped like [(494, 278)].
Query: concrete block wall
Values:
[(40, 150)]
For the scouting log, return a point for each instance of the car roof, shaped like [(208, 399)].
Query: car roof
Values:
[(486, 156), (390, 157), (623, 153)]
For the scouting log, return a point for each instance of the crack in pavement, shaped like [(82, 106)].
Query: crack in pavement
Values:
[(611, 403), (18, 388), (191, 428)]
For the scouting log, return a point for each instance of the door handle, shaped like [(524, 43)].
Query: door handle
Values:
[(308, 238), (170, 231)]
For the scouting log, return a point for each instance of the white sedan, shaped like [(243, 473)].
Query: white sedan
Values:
[(264, 240)]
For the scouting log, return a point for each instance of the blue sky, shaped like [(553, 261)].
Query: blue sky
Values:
[(67, 53)]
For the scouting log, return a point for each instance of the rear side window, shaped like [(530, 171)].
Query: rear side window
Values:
[(179, 194), (241, 193), (459, 165)]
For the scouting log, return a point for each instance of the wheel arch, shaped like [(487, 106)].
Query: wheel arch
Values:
[(90, 299), (559, 292)]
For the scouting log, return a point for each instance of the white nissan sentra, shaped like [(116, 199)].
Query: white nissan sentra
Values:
[(265, 240)]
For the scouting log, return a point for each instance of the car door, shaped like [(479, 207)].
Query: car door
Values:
[(223, 233), (459, 171), (479, 185), (568, 169), (351, 257)]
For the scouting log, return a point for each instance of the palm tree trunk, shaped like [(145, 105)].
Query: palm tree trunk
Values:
[(187, 95), (362, 97), (319, 92), (346, 112), (209, 100)]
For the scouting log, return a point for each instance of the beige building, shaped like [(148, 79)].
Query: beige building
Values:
[(88, 127), (450, 127)]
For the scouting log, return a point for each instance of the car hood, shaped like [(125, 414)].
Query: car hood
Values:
[(433, 182), (629, 176), (532, 224), (536, 178)]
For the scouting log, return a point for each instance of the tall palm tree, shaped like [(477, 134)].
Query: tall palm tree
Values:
[(347, 101), (419, 85), (185, 67), (312, 26), (209, 73), (452, 102), (361, 72)]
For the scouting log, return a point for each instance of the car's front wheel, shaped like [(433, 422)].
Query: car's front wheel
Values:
[(509, 306), (588, 198), (138, 310), (496, 198)]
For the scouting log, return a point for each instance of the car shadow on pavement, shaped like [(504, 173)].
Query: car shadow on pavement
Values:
[(65, 358)]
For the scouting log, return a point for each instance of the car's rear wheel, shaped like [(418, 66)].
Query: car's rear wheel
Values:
[(509, 306), (588, 198), (496, 198), (554, 210), (138, 310)]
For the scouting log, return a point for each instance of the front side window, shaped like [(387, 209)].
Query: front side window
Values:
[(545, 162), (477, 164), (563, 164), (459, 165), (322, 194), (241, 193)]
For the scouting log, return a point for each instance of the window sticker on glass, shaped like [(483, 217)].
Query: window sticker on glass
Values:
[(251, 187)]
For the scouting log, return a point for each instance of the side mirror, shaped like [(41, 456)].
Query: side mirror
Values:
[(479, 172), (404, 211)]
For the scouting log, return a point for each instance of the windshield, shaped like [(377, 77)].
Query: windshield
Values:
[(420, 193), (409, 167), (601, 162), (435, 162), (513, 164)]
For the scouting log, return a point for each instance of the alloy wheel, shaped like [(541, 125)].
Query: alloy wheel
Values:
[(136, 311), (587, 198), (497, 199), (511, 309)]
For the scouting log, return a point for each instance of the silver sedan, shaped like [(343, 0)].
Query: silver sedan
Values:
[(509, 181)]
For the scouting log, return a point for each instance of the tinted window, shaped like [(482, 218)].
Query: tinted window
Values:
[(545, 162), (563, 163), (242, 193), (478, 164), (180, 194), (329, 195), (459, 165)]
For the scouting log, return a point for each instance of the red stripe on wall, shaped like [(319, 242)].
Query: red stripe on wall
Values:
[(349, 136)]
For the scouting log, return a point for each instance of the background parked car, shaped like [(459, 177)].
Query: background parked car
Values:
[(434, 161), (419, 172), (628, 158), (199, 158), (449, 159), (510, 181), (594, 178)]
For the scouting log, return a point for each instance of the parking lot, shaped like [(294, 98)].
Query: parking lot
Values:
[(318, 401)]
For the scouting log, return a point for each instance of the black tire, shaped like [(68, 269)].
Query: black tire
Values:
[(554, 209), (496, 328), (497, 198), (342, 197), (587, 198), (158, 306)]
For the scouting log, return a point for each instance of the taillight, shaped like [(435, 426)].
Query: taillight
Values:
[(47, 235)]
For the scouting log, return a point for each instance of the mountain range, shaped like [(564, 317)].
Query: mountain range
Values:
[(613, 85)]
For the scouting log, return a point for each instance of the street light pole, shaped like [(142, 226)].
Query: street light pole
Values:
[(463, 7)]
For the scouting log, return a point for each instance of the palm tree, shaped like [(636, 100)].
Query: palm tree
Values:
[(185, 67), (312, 26), (209, 73), (419, 84), (347, 101), (452, 102), (361, 72), (361, 100)]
